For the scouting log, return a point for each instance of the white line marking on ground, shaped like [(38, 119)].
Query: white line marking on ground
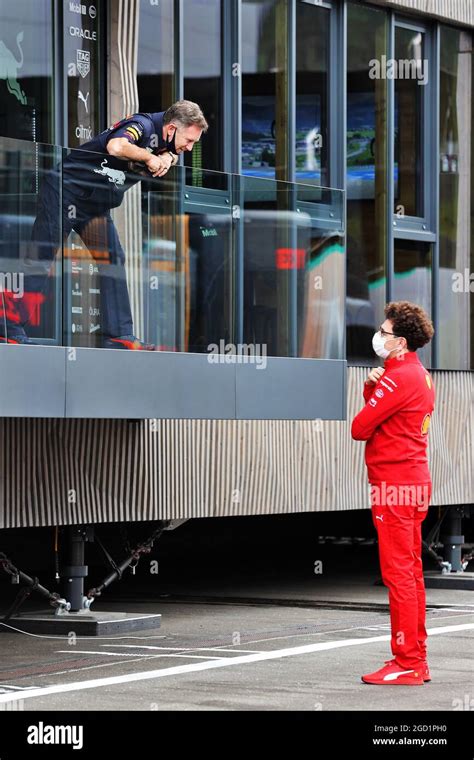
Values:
[(14, 688), (447, 609), (134, 654), (186, 649), (88, 667), (225, 662), (335, 630)]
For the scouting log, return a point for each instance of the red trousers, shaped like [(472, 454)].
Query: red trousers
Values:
[(398, 513)]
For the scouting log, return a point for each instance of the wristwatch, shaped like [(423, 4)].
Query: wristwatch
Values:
[(174, 158)]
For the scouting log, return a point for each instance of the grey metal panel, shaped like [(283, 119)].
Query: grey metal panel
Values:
[(304, 389), (408, 234), (145, 384), (32, 381)]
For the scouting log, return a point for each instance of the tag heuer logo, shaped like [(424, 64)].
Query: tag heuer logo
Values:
[(83, 62)]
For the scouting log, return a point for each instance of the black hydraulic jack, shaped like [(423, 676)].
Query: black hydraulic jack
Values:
[(72, 613), (453, 565)]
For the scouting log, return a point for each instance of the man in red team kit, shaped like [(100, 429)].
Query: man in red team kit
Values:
[(395, 422)]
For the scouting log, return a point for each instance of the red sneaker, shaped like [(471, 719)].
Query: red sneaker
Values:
[(425, 671), (393, 675), (129, 342)]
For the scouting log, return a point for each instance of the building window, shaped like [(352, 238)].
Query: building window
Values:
[(412, 279), (155, 65), (366, 180), (264, 88), (409, 98), (456, 255), (203, 76), (26, 66), (312, 135)]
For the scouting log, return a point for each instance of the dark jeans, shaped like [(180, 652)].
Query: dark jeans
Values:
[(91, 219)]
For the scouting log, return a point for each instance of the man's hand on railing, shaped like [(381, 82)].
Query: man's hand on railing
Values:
[(158, 166)]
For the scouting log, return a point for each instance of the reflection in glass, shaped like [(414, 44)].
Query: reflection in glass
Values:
[(29, 212), (409, 91), (264, 99), (366, 181), (312, 136), (26, 66), (293, 271), (190, 263), (456, 255), (412, 281)]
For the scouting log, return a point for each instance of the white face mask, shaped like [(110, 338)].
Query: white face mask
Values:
[(378, 344)]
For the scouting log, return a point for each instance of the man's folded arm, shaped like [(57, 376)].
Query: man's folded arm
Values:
[(378, 409)]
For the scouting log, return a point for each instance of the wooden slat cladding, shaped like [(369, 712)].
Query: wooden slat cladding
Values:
[(458, 11), (57, 472)]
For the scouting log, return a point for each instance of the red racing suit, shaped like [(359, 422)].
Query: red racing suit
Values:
[(395, 423)]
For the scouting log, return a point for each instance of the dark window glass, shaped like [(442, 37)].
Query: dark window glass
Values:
[(155, 65), (409, 91), (366, 181), (264, 88), (312, 49), (412, 281), (456, 254), (26, 69), (203, 77)]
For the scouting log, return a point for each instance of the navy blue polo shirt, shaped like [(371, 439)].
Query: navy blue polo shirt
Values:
[(93, 175)]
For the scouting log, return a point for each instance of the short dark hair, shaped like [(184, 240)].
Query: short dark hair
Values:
[(186, 113), (410, 322)]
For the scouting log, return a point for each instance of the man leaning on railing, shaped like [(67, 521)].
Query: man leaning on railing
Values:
[(94, 180)]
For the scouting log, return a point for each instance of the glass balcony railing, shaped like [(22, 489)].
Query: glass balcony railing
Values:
[(196, 261)]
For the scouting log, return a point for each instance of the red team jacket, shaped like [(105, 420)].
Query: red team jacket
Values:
[(395, 422)]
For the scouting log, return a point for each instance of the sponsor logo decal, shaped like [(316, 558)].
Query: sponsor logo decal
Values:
[(425, 425), (84, 99), (86, 34), (114, 175), (83, 62), (9, 68)]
